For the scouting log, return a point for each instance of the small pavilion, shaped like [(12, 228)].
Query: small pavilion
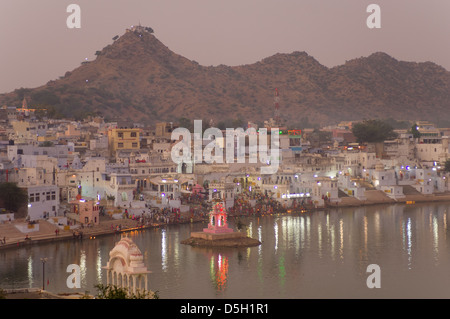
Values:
[(126, 268), (218, 220), (218, 233)]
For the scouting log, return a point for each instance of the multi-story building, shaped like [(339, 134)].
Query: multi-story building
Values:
[(43, 201), (123, 139), (85, 211)]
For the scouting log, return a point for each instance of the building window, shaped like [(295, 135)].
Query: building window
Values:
[(134, 144), (120, 145), (133, 134), (120, 134), (53, 196), (31, 198), (48, 196)]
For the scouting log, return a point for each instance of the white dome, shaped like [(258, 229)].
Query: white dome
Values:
[(126, 257)]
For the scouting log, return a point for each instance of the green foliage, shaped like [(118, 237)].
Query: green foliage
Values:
[(415, 132), (110, 292), (86, 295), (447, 165), (304, 123), (396, 124), (114, 292), (22, 92), (318, 137), (12, 196), (46, 144), (186, 123), (373, 131), (44, 97), (237, 122)]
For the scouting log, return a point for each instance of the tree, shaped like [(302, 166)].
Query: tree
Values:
[(114, 292), (45, 97), (373, 131), (12, 196), (186, 123), (447, 165), (415, 131), (46, 144), (318, 137)]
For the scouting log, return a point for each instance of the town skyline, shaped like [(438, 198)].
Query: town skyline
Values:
[(302, 148), (91, 178)]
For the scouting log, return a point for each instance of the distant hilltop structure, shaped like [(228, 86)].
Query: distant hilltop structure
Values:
[(139, 28)]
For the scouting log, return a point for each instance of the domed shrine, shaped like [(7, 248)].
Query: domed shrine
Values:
[(126, 268), (218, 220)]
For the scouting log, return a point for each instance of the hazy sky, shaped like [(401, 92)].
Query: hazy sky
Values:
[(37, 46)]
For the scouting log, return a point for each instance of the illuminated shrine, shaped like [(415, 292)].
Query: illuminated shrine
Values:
[(218, 233), (218, 220)]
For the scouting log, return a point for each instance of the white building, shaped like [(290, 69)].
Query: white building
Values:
[(43, 201), (393, 191), (122, 187), (382, 177), (351, 187), (224, 191), (99, 143), (325, 190)]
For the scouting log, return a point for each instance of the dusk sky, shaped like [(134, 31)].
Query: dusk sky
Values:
[(37, 46)]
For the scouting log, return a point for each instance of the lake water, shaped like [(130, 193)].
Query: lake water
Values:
[(321, 254)]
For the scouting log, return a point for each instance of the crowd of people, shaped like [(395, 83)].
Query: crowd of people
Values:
[(245, 204), (255, 204)]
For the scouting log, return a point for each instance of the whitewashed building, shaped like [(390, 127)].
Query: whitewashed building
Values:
[(43, 201)]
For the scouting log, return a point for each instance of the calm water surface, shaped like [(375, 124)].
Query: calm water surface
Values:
[(312, 255)]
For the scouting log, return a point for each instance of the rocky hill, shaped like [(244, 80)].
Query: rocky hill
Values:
[(139, 78)]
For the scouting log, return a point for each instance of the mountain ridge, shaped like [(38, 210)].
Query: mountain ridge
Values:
[(138, 78)]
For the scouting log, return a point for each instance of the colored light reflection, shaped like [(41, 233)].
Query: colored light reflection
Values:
[(219, 271)]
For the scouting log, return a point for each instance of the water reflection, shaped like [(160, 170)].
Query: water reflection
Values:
[(99, 266), (219, 270), (164, 250), (30, 271), (275, 228), (409, 242), (83, 268), (319, 254)]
